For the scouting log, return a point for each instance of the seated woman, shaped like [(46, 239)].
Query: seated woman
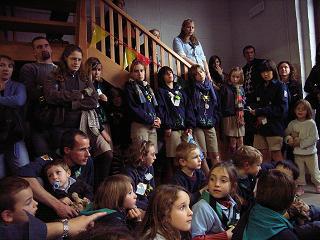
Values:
[(189, 48), (13, 96)]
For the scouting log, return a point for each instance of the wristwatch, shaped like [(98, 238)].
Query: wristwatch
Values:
[(65, 223)]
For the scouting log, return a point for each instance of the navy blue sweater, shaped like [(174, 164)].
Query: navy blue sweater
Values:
[(204, 104), (173, 117), (143, 113), (192, 184), (139, 175), (271, 101)]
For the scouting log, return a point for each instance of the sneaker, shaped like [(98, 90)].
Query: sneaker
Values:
[(318, 189), (300, 190)]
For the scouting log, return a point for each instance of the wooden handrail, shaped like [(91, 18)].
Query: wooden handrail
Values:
[(146, 31)]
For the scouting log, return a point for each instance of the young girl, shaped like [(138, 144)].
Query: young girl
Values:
[(142, 106), (168, 214), (116, 193), (232, 103), (174, 113), (302, 135), (205, 109), (270, 107), (141, 171), (102, 149), (216, 213)]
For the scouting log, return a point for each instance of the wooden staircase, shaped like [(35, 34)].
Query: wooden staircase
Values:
[(87, 15)]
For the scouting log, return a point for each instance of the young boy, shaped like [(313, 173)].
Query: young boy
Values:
[(63, 187), (247, 161), (17, 210), (190, 175)]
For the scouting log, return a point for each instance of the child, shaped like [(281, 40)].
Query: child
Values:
[(247, 161), (17, 210), (302, 134), (116, 193), (216, 213), (64, 187), (205, 108), (275, 194), (141, 171), (102, 149), (167, 215), (232, 103), (142, 105), (173, 110), (190, 176), (270, 107)]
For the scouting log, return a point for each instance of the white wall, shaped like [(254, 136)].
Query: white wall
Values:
[(211, 17)]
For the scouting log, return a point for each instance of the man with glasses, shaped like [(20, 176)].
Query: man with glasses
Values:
[(252, 80), (75, 150)]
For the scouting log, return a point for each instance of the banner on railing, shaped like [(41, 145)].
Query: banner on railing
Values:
[(98, 34), (130, 54)]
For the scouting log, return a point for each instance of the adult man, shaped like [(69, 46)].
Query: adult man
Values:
[(33, 75), (252, 80), (75, 149)]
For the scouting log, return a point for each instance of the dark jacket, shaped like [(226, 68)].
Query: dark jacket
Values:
[(205, 105), (69, 101), (192, 184), (144, 113), (227, 100), (173, 117), (271, 101), (140, 175)]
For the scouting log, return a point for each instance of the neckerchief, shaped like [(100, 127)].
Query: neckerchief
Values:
[(149, 94)]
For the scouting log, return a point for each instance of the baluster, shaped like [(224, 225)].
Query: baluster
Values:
[(102, 24), (111, 34), (120, 31)]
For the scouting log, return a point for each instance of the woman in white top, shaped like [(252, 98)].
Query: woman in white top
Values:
[(189, 48)]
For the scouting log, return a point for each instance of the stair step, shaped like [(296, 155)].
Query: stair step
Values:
[(36, 26), (21, 51)]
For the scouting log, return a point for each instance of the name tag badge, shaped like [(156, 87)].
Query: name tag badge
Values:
[(206, 106), (285, 94), (258, 99), (176, 102), (141, 189), (264, 121), (148, 176)]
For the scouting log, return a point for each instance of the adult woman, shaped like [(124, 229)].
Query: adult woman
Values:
[(189, 48), (13, 152), (288, 75), (69, 91)]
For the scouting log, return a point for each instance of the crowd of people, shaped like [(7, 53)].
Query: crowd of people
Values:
[(63, 127)]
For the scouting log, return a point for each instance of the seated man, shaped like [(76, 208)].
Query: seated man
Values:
[(74, 148)]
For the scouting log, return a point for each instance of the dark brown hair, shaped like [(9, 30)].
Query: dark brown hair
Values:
[(275, 191), (233, 177), (269, 65), (193, 71), (112, 192), (8, 58), (307, 105), (246, 154), (92, 63), (293, 75), (61, 72), (9, 187), (56, 162), (157, 217)]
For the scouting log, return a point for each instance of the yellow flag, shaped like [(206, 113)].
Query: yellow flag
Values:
[(98, 34), (129, 56)]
